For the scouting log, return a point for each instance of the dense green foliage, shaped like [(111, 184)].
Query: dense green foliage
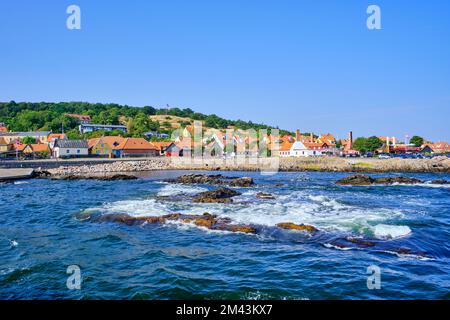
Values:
[(367, 144), (417, 141), (27, 116)]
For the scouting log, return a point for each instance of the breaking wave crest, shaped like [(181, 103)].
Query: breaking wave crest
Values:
[(299, 207)]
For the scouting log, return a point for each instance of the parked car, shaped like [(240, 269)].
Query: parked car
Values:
[(384, 156)]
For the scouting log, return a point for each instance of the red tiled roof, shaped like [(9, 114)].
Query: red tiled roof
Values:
[(39, 147), (53, 136), (135, 144)]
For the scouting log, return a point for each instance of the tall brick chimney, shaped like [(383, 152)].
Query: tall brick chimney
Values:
[(297, 135), (311, 137), (350, 139)]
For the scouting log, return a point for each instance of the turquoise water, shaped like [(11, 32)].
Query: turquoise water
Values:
[(43, 230)]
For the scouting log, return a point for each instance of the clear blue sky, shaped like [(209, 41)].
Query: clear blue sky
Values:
[(311, 65)]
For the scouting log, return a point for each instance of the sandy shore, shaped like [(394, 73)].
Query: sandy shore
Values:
[(326, 164)]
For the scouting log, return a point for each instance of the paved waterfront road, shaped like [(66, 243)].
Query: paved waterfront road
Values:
[(15, 174)]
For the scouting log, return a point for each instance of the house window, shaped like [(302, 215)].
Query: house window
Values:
[(78, 151), (67, 151)]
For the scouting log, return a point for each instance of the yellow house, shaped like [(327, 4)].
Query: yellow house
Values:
[(103, 147), (4, 145)]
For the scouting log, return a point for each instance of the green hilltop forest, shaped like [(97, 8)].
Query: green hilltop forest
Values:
[(50, 116)]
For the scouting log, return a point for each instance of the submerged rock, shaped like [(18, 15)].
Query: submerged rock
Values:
[(216, 179), (264, 195), (392, 180), (293, 226), (113, 177), (364, 180), (440, 181), (363, 243), (236, 228), (221, 195)]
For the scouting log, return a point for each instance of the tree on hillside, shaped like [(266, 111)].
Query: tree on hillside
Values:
[(28, 140), (373, 143), (360, 144), (417, 141)]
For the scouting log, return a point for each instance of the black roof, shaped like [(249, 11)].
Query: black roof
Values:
[(78, 144)]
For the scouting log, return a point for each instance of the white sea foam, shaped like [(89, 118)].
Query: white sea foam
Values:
[(298, 207), (179, 189), (384, 231), (332, 246), (427, 184)]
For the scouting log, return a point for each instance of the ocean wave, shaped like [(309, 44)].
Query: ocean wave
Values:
[(299, 207), (179, 189)]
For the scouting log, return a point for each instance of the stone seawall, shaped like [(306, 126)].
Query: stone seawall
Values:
[(326, 164)]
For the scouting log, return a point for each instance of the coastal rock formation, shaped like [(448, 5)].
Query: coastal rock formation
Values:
[(293, 226), (216, 179), (363, 180), (356, 180), (392, 180), (221, 195), (108, 177), (264, 195), (206, 220)]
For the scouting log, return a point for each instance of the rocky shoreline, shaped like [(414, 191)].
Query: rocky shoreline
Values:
[(322, 164)]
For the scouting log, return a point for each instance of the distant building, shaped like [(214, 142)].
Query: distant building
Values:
[(4, 146), (156, 134), (37, 149), (298, 148), (3, 127), (104, 146), (84, 119), (135, 147), (441, 147), (13, 137), (162, 146), (86, 127), (70, 148)]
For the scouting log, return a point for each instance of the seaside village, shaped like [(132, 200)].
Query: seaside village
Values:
[(219, 143)]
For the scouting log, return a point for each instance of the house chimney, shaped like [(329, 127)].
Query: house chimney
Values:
[(394, 141), (312, 137), (297, 135), (350, 139)]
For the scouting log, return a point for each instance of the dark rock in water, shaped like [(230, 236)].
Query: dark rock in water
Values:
[(41, 174), (236, 228), (360, 242), (244, 182), (206, 220), (363, 180), (216, 179), (222, 195), (114, 177), (356, 180), (440, 181), (264, 195), (392, 180), (293, 226)]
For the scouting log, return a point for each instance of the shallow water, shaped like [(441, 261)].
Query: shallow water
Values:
[(42, 231)]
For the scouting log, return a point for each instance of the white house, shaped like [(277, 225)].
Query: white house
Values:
[(70, 148), (298, 149)]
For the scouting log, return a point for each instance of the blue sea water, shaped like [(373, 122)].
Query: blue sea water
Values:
[(44, 228)]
